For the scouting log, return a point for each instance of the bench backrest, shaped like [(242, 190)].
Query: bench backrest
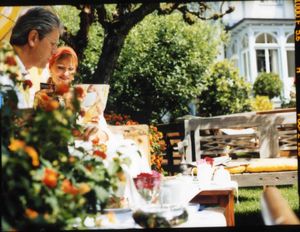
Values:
[(265, 134)]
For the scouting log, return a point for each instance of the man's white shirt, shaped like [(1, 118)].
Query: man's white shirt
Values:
[(25, 97)]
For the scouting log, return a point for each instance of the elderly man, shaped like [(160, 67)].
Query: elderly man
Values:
[(33, 40)]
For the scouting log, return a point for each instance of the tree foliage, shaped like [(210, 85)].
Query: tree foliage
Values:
[(161, 66), (224, 91), (267, 84), (116, 21)]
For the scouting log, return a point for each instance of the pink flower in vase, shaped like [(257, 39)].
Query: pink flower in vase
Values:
[(147, 185)]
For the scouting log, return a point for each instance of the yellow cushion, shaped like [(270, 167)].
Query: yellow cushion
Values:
[(237, 169), (272, 165)]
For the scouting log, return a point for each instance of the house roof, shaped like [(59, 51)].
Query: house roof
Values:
[(266, 21)]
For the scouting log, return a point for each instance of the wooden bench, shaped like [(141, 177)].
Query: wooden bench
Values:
[(265, 178), (172, 134), (269, 133)]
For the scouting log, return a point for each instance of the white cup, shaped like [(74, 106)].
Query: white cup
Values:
[(174, 191), (204, 173), (221, 176)]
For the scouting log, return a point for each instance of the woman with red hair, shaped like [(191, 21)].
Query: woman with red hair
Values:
[(62, 66)]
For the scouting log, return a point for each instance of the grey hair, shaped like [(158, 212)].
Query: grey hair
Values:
[(37, 18)]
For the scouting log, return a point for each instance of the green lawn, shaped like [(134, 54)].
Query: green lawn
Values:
[(247, 211)]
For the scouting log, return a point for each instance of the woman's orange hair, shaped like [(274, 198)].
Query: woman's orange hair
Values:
[(64, 50)]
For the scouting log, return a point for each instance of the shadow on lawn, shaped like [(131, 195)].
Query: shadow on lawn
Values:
[(245, 219), (253, 218)]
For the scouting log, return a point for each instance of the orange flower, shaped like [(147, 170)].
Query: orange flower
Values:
[(45, 97), (27, 84), (84, 188), (67, 187), (76, 133), (82, 113), (121, 176), (16, 144), (79, 91), (50, 178), (46, 216), (96, 140), (10, 60), (103, 147), (62, 89), (33, 154), (30, 213), (100, 154), (72, 159), (51, 105), (89, 167)]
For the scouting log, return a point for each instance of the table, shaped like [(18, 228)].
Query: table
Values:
[(208, 217), (223, 198), (209, 194)]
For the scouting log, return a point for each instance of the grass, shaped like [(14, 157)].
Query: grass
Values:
[(248, 212)]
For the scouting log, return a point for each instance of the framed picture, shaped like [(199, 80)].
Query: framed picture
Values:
[(93, 102)]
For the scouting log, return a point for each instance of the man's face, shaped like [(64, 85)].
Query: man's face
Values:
[(45, 48)]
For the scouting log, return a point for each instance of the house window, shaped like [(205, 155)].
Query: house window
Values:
[(290, 55), (291, 63), (246, 66), (290, 39), (267, 60), (265, 38), (267, 53), (261, 60)]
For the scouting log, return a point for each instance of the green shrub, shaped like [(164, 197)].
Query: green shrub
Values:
[(267, 84), (261, 103), (161, 66), (224, 91)]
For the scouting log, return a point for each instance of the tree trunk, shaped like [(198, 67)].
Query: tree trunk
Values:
[(111, 49), (116, 33)]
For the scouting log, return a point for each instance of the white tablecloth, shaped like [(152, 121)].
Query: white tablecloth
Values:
[(207, 217)]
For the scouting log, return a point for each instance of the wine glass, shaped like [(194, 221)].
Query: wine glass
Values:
[(148, 186)]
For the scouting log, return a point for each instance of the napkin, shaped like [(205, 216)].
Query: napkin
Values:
[(178, 190), (131, 194)]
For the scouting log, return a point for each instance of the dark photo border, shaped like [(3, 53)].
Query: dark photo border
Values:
[(297, 83)]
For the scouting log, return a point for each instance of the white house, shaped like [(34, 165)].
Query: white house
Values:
[(262, 39)]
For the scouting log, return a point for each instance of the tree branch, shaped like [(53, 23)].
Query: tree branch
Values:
[(139, 14), (103, 18)]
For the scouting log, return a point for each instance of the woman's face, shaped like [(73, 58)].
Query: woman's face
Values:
[(63, 70)]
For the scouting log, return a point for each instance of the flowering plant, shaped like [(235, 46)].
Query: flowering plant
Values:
[(157, 144), (147, 185), (46, 181)]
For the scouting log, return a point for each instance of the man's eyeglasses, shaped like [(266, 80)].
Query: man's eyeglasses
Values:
[(54, 44)]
